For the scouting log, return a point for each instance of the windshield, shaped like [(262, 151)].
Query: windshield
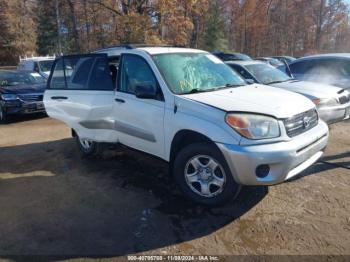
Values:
[(200, 72), (275, 62), (19, 78), (46, 65), (243, 57), (267, 74)]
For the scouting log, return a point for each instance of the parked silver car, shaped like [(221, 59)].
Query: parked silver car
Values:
[(333, 103)]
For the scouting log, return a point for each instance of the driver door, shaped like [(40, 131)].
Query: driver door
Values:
[(139, 121)]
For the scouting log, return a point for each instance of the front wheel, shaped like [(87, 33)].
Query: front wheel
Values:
[(87, 147), (203, 175)]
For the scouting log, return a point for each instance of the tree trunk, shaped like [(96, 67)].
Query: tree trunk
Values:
[(319, 26), (75, 28), (58, 21)]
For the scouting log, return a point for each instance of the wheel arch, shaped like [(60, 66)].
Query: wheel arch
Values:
[(184, 138)]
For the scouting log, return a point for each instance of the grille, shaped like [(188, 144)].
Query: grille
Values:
[(300, 123), (31, 97), (344, 99)]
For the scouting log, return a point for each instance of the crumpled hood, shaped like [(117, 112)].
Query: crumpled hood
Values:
[(23, 89), (256, 99), (310, 89)]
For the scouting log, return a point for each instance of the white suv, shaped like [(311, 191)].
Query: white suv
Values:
[(187, 107)]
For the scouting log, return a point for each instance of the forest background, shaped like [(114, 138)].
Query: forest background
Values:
[(254, 27)]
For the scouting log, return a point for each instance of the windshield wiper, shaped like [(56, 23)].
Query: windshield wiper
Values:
[(196, 90), (234, 85), (192, 91), (276, 82), (294, 80)]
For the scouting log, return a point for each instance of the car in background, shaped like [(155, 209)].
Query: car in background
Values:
[(288, 59), (333, 103), (21, 92), (232, 56), (42, 65), (332, 69), (269, 60)]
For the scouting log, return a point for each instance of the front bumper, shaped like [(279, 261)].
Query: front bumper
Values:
[(285, 159), (20, 107), (334, 114)]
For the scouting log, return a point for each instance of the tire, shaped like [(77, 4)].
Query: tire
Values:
[(87, 151), (3, 116), (209, 181)]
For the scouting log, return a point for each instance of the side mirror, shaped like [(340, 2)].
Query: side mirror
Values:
[(250, 81), (146, 91)]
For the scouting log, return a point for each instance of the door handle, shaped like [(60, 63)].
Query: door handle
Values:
[(119, 100), (59, 97)]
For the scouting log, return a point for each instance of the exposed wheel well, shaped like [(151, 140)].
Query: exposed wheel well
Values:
[(184, 138)]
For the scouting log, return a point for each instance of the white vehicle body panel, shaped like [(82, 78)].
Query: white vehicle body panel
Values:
[(83, 109), (256, 98)]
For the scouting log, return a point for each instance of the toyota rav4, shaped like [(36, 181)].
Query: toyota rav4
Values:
[(189, 108)]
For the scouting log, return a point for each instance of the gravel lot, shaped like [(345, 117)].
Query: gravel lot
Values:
[(53, 201)]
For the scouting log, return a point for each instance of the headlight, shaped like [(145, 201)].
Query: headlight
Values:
[(325, 102), (8, 97), (253, 126)]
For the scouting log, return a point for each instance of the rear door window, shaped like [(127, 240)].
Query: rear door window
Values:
[(81, 72), (101, 76), (77, 71)]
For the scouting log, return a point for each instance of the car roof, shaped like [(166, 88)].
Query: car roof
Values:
[(334, 55), (283, 56), (152, 50), (245, 63), (227, 53)]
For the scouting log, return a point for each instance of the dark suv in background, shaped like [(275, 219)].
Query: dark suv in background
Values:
[(332, 69), (21, 93), (231, 56)]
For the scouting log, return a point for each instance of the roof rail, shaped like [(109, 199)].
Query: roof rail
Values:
[(25, 58), (128, 46)]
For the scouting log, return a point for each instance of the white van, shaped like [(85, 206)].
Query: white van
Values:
[(41, 65), (189, 108)]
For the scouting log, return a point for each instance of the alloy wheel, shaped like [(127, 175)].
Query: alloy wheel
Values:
[(205, 176)]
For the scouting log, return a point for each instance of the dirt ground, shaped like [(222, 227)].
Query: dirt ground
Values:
[(54, 202)]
